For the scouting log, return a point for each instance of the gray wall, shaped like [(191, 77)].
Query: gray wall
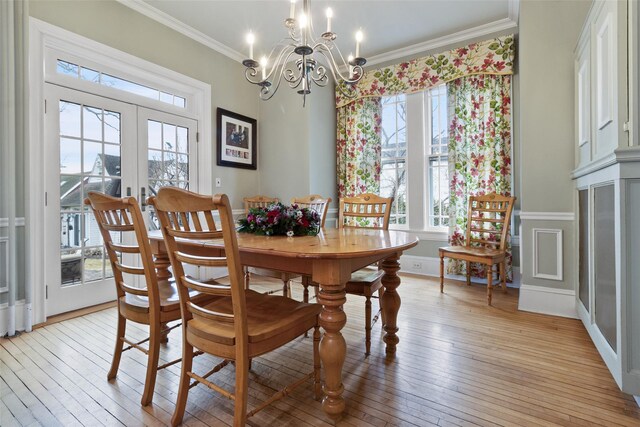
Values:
[(548, 34), (297, 145), (118, 26)]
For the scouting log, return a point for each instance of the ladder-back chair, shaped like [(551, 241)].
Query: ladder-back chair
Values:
[(265, 202), (369, 211), (241, 324), (258, 202), (154, 305), (321, 206), (314, 202), (485, 240)]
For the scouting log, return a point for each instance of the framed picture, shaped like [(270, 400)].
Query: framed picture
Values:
[(237, 144)]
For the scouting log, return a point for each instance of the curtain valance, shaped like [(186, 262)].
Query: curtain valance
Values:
[(488, 57)]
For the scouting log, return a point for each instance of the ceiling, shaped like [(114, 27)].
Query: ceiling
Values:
[(391, 28)]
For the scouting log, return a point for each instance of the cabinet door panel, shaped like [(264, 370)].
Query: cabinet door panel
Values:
[(605, 262)]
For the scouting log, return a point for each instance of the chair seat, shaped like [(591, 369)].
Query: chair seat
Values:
[(267, 317), (473, 253), (169, 300), (365, 281)]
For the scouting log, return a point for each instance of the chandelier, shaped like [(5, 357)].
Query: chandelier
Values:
[(296, 59)]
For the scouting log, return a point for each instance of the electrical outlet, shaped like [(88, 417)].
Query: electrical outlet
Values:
[(218, 182), (416, 265)]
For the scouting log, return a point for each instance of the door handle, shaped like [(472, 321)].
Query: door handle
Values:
[(143, 198)]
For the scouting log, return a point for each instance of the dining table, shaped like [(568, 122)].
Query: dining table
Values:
[(328, 258)]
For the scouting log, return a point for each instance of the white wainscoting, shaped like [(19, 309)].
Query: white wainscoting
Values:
[(430, 266), (545, 300), (6, 313), (537, 273), (4, 249), (4, 262)]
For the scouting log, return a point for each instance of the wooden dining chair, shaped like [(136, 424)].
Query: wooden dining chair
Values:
[(241, 324), (258, 202), (370, 211), (156, 304), (314, 202), (321, 206), (485, 240), (265, 202)]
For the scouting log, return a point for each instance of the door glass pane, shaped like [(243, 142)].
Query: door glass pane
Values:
[(93, 264), (167, 159), (70, 119), (89, 161), (112, 127), (92, 123), (92, 157), (70, 156), (112, 161)]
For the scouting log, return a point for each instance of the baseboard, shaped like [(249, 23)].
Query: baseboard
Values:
[(544, 300), (6, 312), (430, 266)]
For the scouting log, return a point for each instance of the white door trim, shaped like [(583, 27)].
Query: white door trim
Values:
[(43, 36)]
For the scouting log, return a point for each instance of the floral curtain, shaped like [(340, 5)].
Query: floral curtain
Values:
[(479, 152), (488, 57), (358, 147)]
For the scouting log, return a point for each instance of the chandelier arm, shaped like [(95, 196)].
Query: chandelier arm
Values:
[(279, 62), (335, 70), (319, 77), (250, 72), (289, 74)]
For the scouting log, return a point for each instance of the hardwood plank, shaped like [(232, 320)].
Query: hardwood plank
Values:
[(459, 363)]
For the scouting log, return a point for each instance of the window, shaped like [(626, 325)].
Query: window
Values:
[(393, 179), (437, 157), (84, 73), (415, 162)]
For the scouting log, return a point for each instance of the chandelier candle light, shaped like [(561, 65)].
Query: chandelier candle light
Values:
[(295, 59)]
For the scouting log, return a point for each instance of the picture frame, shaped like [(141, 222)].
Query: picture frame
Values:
[(237, 144)]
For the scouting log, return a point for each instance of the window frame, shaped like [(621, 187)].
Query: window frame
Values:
[(418, 127), (396, 159)]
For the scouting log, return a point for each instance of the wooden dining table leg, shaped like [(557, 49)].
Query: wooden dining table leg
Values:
[(161, 260), (333, 348), (391, 301)]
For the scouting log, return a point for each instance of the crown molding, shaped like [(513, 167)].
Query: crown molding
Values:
[(511, 22), (151, 12), (459, 37)]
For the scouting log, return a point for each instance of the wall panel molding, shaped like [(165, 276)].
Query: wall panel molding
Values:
[(559, 259), (20, 222), (4, 263), (547, 216)]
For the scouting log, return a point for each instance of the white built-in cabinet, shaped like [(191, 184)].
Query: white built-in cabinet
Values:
[(607, 177)]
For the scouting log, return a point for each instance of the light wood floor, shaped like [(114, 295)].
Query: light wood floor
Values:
[(459, 362)]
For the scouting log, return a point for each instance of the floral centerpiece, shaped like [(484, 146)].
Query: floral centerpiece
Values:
[(278, 219)]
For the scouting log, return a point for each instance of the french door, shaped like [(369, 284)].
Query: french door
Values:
[(100, 144)]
